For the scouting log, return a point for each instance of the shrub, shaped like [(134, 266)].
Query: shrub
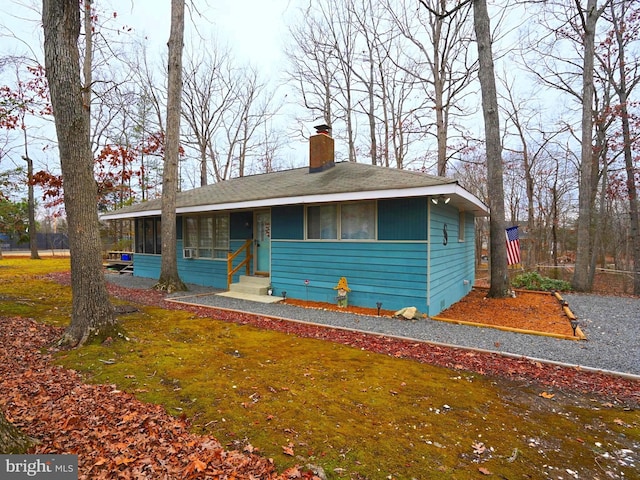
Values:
[(535, 281)]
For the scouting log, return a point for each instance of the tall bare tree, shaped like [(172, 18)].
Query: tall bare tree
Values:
[(169, 277), (589, 15), (443, 64), (92, 315), (209, 90), (623, 71), (499, 286)]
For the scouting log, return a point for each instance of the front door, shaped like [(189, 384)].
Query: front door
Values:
[(263, 242)]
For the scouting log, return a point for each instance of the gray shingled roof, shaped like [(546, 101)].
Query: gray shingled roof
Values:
[(288, 186)]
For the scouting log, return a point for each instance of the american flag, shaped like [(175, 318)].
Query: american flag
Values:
[(513, 246)]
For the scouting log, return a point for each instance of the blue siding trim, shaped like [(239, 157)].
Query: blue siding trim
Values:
[(402, 219), (211, 273), (401, 269), (453, 264), (391, 273), (145, 265), (287, 223)]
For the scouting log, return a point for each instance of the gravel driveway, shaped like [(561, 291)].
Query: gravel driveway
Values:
[(612, 326)]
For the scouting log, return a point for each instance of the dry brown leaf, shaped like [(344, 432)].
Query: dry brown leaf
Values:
[(478, 448), (287, 450)]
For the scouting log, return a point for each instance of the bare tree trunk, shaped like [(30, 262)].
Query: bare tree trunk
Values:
[(91, 314), (623, 91), (12, 440), (583, 249), (498, 249), (169, 278)]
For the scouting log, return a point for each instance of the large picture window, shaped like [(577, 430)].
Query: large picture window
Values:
[(345, 221), (206, 236)]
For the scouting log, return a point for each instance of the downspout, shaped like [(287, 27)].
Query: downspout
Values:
[(428, 256)]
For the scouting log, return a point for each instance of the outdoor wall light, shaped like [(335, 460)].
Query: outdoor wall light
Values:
[(574, 325), (440, 198), (379, 305)]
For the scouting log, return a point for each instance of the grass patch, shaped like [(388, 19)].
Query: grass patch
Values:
[(355, 413), (25, 292)]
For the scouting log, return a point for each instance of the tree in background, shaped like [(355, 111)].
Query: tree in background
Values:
[(620, 64), (588, 15), (169, 277), (27, 100), (499, 286), (442, 66), (92, 315)]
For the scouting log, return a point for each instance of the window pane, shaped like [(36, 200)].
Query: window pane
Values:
[(190, 232), (222, 231), (322, 222), (221, 236), (357, 221), (205, 240)]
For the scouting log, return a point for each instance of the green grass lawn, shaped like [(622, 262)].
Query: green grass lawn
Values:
[(355, 413)]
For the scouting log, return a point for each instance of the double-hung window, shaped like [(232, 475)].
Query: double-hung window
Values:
[(206, 236), (344, 221)]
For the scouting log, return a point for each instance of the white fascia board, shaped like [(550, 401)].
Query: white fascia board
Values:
[(123, 216), (449, 189)]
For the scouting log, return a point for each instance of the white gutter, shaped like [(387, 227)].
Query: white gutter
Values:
[(457, 194)]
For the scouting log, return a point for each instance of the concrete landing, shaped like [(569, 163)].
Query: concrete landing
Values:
[(252, 297)]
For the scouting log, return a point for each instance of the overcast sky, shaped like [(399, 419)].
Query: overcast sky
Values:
[(255, 28)]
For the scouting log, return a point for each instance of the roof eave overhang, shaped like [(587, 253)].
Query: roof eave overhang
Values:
[(460, 198)]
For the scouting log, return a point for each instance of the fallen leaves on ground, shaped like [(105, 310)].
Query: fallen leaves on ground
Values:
[(113, 434), (116, 435)]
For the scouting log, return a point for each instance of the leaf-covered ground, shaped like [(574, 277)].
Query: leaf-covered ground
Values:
[(445, 431), (571, 379), (114, 435)]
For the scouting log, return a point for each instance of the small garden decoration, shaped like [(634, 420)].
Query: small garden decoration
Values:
[(343, 289)]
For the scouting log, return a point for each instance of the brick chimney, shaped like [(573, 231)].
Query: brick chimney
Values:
[(321, 150)]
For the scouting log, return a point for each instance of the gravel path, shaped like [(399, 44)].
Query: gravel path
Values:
[(611, 324)]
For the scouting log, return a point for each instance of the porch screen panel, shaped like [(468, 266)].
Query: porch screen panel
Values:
[(158, 237)]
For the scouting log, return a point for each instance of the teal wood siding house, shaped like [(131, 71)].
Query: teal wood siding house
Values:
[(400, 238)]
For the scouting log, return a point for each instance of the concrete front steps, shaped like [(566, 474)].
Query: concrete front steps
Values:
[(251, 288)]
